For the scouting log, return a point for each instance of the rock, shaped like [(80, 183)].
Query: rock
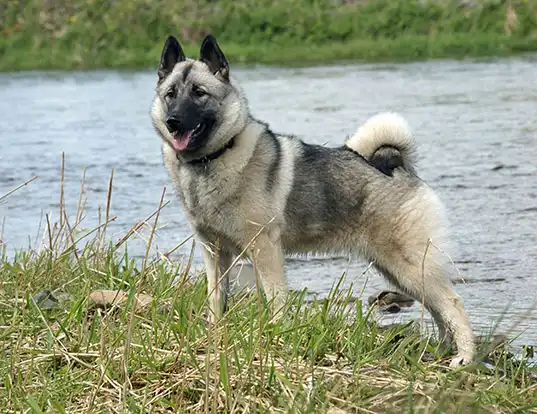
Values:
[(393, 308), (501, 166), (529, 352), (467, 280), (390, 302), (108, 298), (48, 300)]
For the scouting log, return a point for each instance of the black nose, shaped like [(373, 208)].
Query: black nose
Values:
[(173, 124)]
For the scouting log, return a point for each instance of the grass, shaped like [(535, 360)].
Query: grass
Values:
[(90, 34), (403, 49), (321, 356)]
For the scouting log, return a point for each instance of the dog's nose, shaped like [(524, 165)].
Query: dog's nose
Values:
[(173, 124)]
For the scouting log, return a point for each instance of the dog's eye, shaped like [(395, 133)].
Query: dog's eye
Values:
[(198, 91), (170, 94)]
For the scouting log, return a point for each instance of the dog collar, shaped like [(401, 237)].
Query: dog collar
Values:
[(213, 156)]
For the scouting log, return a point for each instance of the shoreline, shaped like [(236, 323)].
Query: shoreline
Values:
[(407, 49)]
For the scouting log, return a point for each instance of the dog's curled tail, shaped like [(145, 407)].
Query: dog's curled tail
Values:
[(385, 140)]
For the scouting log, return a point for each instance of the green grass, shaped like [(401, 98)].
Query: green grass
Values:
[(319, 356), (90, 34), (404, 49)]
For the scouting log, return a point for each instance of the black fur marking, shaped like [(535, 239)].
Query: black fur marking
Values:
[(185, 116), (384, 161), (186, 72), (172, 53), (272, 176), (187, 113), (212, 55), (317, 190)]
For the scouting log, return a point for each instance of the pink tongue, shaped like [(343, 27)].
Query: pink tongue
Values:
[(180, 142)]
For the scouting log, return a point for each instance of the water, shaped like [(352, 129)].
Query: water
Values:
[(475, 122)]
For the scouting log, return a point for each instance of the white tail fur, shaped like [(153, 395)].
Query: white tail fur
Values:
[(386, 129)]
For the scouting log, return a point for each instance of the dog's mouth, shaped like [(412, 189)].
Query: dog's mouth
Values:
[(181, 139)]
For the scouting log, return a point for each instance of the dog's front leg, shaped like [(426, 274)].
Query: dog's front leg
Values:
[(267, 256), (217, 263)]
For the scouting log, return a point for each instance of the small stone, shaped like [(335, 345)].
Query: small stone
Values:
[(390, 302), (393, 308), (529, 351), (501, 166), (48, 300)]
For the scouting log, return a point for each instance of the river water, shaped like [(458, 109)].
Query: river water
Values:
[(475, 122)]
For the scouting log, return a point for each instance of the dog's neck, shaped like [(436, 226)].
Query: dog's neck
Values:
[(212, 156)]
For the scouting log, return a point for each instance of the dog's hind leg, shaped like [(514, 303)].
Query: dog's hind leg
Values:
[(407, 252), (427, 282)]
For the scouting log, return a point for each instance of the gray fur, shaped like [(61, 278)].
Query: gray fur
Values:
[(274, 195), (276, 153)]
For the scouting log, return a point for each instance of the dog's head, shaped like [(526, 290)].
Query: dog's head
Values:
[(198, 108)]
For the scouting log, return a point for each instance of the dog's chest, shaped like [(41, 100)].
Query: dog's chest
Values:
[(200, 192), (205, 197), (217, 206), (220, 201)]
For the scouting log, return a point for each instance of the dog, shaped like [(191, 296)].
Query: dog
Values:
[(247, 190)]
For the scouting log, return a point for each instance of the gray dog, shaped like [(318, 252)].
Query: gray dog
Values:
[(247, 190)]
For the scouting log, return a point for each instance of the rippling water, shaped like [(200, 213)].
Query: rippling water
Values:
[(475, 122)]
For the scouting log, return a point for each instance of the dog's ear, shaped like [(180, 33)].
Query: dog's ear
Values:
[(172, 53), (212, 55)]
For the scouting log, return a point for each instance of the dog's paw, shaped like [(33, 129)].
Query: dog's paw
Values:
[(460, 360)]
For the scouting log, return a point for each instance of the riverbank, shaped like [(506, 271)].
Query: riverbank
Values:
[(65, 348), (126, 34)]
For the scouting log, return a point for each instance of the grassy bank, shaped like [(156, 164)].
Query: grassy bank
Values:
[(84, 34), (67, 354)]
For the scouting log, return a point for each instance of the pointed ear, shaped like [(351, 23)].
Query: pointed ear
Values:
[(171, 54), (212, 55)]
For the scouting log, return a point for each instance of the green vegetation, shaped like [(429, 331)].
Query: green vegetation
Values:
[(85, 34), (324, 356)]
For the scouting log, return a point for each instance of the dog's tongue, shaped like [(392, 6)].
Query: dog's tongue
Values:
[(180, 141)]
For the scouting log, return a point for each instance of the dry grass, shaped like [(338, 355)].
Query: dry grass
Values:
[(321, 356)]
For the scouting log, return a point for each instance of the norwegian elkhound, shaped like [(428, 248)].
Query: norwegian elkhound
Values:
[(245, 189)]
